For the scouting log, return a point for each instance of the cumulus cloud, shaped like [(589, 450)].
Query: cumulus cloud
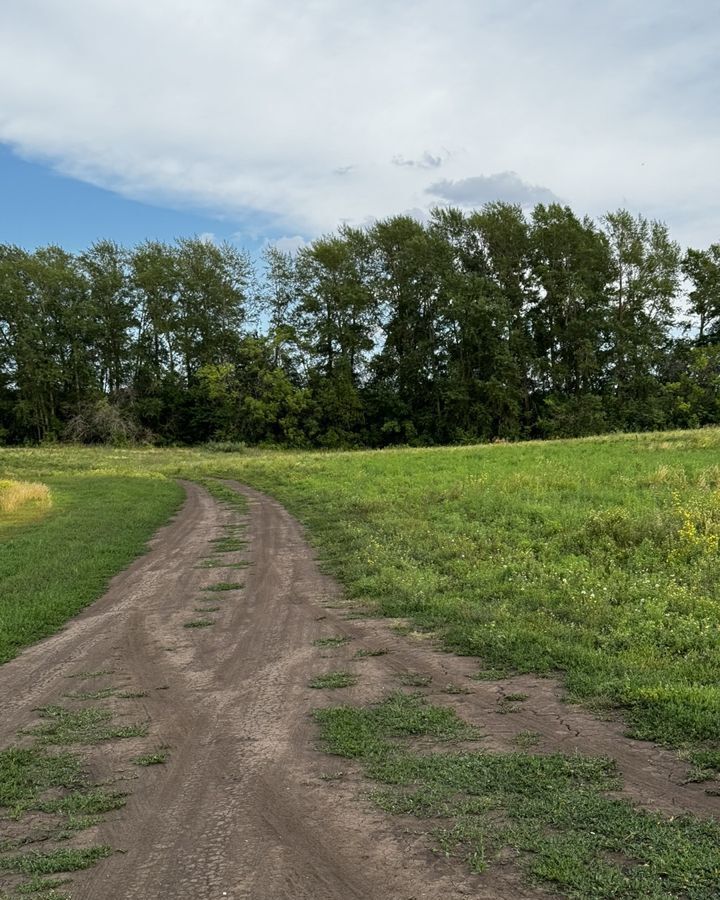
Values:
[(480, 189), (288, 117)]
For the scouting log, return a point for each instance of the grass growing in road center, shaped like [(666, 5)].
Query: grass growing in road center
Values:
[(333, 680)]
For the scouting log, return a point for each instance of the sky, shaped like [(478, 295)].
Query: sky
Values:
[(274, 123)]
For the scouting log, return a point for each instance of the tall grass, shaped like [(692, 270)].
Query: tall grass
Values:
[(17, 494)]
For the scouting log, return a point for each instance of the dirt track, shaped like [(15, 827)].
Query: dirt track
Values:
[(240, 810)]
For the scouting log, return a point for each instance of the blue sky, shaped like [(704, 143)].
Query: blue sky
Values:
[(40, 206), (257, 122)]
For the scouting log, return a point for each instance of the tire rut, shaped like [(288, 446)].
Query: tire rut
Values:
[(240, 809)]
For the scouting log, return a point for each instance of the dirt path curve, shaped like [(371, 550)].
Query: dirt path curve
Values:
[(241, 810)]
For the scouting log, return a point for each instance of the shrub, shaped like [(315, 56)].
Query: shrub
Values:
[(102, 422)]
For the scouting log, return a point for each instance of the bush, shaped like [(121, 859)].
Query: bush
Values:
[(102, 422)]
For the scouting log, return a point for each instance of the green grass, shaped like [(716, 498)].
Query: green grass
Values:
[(594, 560), (115, 516), (55, 786), (43, 888), (228, 544), (332, 680), (226, 495), (85, 803), (85, 726), (335, 641), (414, 679), (27, 773), (224, 586), (526, 739), (65, 860), (199, 623), (552, 813), (152, 759)]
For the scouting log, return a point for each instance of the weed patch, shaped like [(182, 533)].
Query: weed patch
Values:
[(455, 689), (333, 680), (152, 759), (224, 586), (26, 774), (551, 811), (45, 888), (102, 694), (336, 641), (86, 726), (415, 679), (53, 861), (526, 739), (228, 544)]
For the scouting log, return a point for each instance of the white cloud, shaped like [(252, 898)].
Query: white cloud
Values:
[(426, 161), (289, 117), (288, 244), (480, 189)]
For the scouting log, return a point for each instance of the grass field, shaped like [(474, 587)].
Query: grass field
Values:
[(595, 560), (56, 560)]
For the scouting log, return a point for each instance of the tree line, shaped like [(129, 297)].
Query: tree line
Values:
[(471, 326)]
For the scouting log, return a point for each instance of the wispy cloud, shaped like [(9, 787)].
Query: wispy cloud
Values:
[(426, 161)]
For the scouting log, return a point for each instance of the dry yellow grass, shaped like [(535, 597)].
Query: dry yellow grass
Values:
[(16, 494)]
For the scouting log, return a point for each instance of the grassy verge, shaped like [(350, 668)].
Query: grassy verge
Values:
[(51, 568), (597, 559), (550, 813)]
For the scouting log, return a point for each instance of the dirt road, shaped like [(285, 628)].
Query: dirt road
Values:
[(240, 809)]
